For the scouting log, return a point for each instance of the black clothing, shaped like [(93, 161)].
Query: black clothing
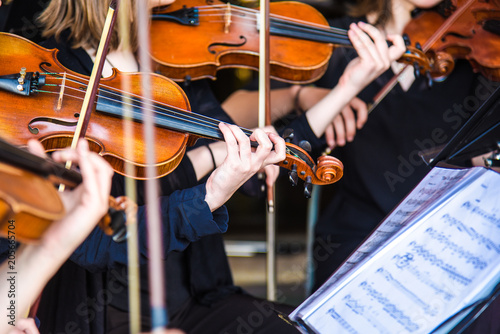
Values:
[(197, 278), (382, 164), (238, 313)]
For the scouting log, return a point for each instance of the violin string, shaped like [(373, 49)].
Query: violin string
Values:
[(173, 113), (169, 111), (287, 26), (293, 30), (161, 109), (277, 19), (223, 8)]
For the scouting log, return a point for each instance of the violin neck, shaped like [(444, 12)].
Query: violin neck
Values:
[(279, 26), (14, 156), (165, 116), (292, 29)]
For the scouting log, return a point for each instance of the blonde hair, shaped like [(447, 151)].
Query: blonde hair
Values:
[(85, 21)]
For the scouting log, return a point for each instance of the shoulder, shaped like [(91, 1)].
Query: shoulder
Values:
[(74, 59)]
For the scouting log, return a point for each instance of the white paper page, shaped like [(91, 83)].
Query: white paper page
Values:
[(435, 268), (433, 186)]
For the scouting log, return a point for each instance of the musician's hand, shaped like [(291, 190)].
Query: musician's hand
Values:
[(35, 147), (241, 162), (480, 161), (85, 205), (25, 326), (374, 56), (272, 171), (343, 127)]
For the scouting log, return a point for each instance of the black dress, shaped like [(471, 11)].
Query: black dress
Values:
[(201, 296), (382, 164)]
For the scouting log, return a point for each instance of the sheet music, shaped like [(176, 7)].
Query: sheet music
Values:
[(426, 193), (444, 253)]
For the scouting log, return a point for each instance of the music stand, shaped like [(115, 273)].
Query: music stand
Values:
[(480, 134)]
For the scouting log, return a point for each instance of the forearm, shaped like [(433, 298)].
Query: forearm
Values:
[(322, 113), (243, 105), (202, 161), (31, 269)]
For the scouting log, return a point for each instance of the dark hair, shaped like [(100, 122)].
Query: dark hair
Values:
[(383, 9)]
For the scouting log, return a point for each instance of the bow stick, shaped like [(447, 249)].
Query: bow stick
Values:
[(130, 184), (90, 94), (156, 274), (427, 45), (265, 119)]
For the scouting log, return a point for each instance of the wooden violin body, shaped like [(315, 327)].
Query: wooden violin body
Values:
[(29, 201), (52, 120), (471, 32), (28, 204), (46, 107), (192, 39), (228, 36)]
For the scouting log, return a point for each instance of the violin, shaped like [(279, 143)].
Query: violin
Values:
[(467, 29), (29, 202), (44, 100), (192, 39)]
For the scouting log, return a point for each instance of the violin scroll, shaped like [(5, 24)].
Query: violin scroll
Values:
[(328, 170), (442, 64)]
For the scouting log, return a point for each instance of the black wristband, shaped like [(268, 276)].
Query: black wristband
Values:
[(212, 155)]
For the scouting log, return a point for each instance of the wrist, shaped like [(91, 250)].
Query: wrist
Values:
[(348, 89), (296, 90), (211, 195)]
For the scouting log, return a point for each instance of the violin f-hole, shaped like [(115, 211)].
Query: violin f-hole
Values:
[(213, 45), (43, 64), (35, 130)]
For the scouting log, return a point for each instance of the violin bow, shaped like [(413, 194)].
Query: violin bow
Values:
[(427, 45), (93, 85), (81, 129), (134, 298), (265, 119), (157, 285)]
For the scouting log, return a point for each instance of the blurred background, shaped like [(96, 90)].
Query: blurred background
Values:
[(245, 239)]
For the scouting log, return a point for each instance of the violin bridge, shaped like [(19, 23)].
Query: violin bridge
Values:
[(61, 93), (227, 18)]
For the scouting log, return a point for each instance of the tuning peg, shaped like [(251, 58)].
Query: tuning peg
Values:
[(429, 80), (418, 46), (118, 224), (288, 135), (416, 68), (305, 145), (406, 39), (308, 187), (292, 175)]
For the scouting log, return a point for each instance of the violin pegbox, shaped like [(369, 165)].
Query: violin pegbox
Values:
[(433, 66), (328, 169)]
